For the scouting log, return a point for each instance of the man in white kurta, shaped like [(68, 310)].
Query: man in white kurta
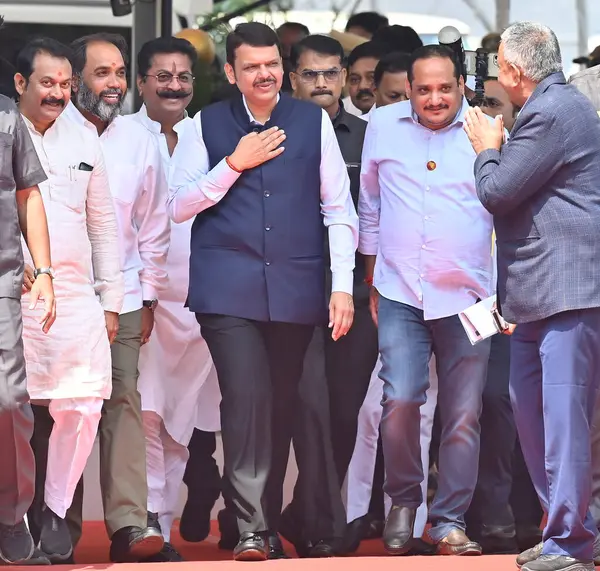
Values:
[(178, 381), (70, 368)]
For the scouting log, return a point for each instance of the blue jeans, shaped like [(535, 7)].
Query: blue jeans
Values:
[(554, 378), (406, 342)]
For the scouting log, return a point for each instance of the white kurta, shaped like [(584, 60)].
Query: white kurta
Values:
[(177, 379), (73, 359)]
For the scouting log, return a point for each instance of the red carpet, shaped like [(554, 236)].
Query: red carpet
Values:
[(92, 553)]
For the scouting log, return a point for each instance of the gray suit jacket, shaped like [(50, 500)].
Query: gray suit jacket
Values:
[(543, 189), (588, 82)]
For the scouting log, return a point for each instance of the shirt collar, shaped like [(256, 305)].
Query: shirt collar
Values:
[(32, 128), (250, 116), (75, 115), (405, 111), (341, 119), (155, 126)]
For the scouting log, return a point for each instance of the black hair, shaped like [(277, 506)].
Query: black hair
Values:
[(433, 51), (294, 27), (7, 79), (369, 21), (391, 63), (80, 45), (253, 34), (398, 38), (367, 50), (322, 45), (26, 56), (158, 46)]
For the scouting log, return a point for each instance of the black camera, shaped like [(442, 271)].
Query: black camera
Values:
[(480, 64)]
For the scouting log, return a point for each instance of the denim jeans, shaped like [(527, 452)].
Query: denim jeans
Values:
[(406, 342)]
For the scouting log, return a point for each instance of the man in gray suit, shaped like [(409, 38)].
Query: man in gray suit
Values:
[(543, 188)]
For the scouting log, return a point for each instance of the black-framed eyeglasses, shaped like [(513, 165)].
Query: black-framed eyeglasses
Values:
[(164, 78), (311, 75)]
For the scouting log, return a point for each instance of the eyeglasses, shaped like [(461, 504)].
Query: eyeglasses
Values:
[(311, 75), (165, 78)]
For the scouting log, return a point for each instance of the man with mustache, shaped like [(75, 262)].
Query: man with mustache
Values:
[(427, 241), (138, 187), (70, 371), (335, 374), (178, 381), (257, 275), (362, 62)]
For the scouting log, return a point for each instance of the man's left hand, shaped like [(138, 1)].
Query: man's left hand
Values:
[(483, 134), (42, 290), (341, 314), (147, 324)]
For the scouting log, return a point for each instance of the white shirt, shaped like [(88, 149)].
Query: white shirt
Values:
[(139, 190), (431, 235), (194, 188)]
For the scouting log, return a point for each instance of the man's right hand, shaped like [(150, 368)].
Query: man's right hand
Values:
[(374, 305), (112, 325), (257, 148)]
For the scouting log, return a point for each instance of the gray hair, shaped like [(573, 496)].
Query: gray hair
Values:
[(534, 48)]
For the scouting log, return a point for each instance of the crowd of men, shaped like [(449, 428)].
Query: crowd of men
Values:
[(287, 267)]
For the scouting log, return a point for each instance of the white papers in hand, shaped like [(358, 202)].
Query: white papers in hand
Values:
[(478, 320)]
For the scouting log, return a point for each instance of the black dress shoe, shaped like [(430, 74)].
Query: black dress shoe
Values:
[(251, 547), (399, 529), (194, 525), (132, 544), (356, 531), (291, 530), (276, 550), (325, 548), (375, 531), (55, 539), (228, 528), (168, 554)]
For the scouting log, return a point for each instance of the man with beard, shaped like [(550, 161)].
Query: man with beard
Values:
[(138, 187), (424, 273), (72, 376), (178, 381), (257, 276), (362, 62), (342, 368)]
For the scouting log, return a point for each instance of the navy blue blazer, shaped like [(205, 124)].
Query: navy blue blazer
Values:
[(543, 189)]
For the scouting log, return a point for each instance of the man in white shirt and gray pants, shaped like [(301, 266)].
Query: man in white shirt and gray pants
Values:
[(428, 245)]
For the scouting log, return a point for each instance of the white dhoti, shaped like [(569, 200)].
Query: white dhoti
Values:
[(362, 465), (178, 385)]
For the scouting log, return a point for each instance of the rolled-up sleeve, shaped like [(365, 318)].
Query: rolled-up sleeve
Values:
[(339, 214), (369, 198)]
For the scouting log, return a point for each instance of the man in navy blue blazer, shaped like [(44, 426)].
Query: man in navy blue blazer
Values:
[(543, 188)]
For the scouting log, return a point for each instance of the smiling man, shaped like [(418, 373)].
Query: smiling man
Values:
[(263, 175), (138, 187), (88, 284), (424, 272)]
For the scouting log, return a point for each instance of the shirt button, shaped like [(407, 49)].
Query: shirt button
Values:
[(423, 247), (422, 275), (267, 193), (426, 217), (267, 263), (267, 228), (427, 188)]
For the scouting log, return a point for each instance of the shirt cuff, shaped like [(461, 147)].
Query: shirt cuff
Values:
[(224, 178), (112, 303), (149, 292), (342, 281), (368, 245)]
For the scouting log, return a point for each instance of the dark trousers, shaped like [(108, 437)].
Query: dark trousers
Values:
[(202, 476), (334, 383), (490, 510), (554, 377), (259, 365)]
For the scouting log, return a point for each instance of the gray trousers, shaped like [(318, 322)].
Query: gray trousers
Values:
[(17, 475)]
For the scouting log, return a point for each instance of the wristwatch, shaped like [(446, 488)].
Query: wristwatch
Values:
[(150, 304), (39, 271)]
